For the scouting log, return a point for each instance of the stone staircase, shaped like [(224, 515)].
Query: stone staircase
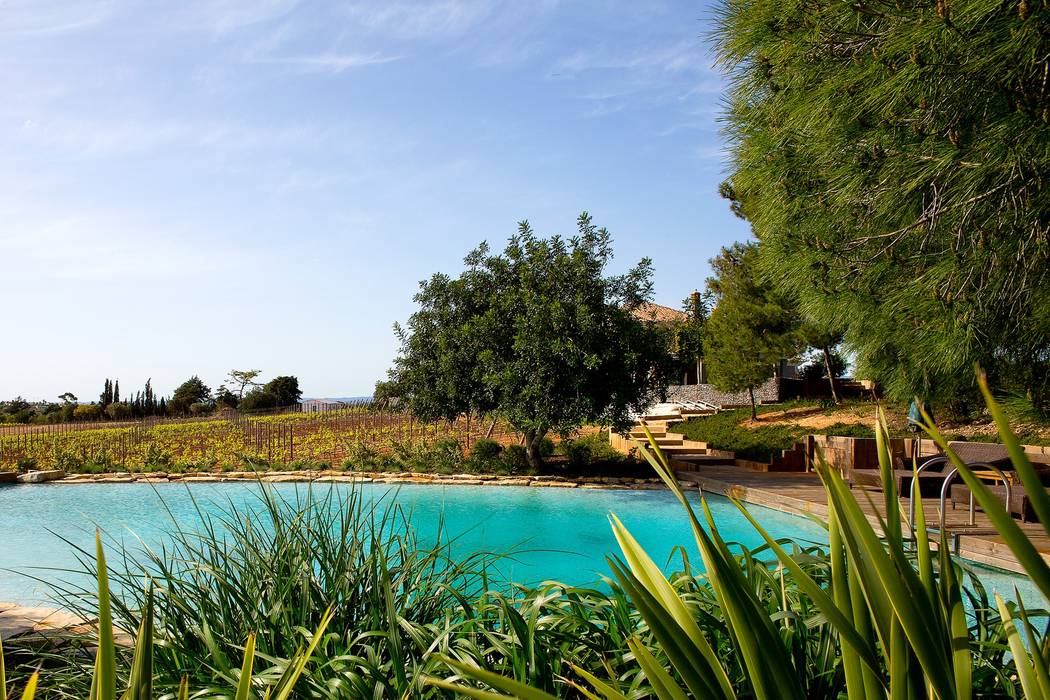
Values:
[(674, 445)]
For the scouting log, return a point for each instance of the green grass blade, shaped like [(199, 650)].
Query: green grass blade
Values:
[(889, 484), (515, 688), (756, 641), (1033, 485), (1019, 543), (661, 681), (834, 614), (244, 681), (30, 690), (3, 673), (695, 671), (601, 686), (652, 578), (141, 682), (184, 689), (1039, 664), (1022, 659), (851, 664), (106, 682), (892, 573), (299, 663)]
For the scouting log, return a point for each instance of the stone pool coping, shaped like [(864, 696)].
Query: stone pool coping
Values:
[(338, 476)]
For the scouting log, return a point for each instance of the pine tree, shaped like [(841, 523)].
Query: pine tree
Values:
[(116, 391), (892, 160), (752, 327), (106, 397)]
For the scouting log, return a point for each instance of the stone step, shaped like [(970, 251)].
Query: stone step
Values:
[(676, 416)]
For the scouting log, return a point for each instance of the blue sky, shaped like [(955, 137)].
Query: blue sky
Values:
[(189, 187)]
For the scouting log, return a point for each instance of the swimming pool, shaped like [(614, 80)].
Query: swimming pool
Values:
[(557, 534)]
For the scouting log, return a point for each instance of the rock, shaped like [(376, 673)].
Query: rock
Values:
[(604, 487), (341, 479), (115, 480), (458, 482), (509, 482), (8, 477), (151, 480), (39, 477), (555, 484), (548, 478), (282, 478), (205, 479)]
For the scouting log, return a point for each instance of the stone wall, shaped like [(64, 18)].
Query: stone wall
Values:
[(768, 392)]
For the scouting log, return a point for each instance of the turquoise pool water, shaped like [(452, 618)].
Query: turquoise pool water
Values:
[(559, 534)]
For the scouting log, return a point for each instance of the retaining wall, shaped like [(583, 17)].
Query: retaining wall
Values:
[(769, 392)]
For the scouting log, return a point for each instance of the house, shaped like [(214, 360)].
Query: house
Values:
[(322, 405), (694, 386)]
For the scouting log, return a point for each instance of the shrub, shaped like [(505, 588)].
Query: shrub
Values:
[(26, 464), (590, 449), (118, 411), (87, 411), (485, 455), (257, 400), (546, 448), (515, 459), (446, 456)]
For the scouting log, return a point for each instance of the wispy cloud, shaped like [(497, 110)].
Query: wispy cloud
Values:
[(100, 246), (415, 20), (96, 138), (219, 17), (37, 18), (331, 63)]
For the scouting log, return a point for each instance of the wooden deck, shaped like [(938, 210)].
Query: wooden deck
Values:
[(803, 493)]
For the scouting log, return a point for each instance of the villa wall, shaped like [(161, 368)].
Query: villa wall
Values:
[(768, 392)]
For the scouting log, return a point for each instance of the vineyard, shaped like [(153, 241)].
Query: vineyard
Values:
[(235, 440)]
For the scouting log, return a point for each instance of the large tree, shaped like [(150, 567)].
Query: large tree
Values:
[(190, 392), (285, 390), (538, 333), (892, 157), (753, 326)]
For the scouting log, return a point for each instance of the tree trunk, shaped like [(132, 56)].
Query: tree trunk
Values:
[(533, 438), (492, 426), (754, 409), (831, 374)]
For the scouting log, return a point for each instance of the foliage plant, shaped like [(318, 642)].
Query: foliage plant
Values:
[(895, 608), (133, 669), (891, 158), (539, 333), (866, 616)]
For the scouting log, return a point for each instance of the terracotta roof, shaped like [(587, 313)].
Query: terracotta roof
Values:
[(659, 314)]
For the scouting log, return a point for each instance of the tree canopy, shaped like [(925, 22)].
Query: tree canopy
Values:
[(538, 333), (190, 392), (892, 159), (753, 325), (285, 390)]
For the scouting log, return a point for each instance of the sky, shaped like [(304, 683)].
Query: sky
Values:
[(190, 187)]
